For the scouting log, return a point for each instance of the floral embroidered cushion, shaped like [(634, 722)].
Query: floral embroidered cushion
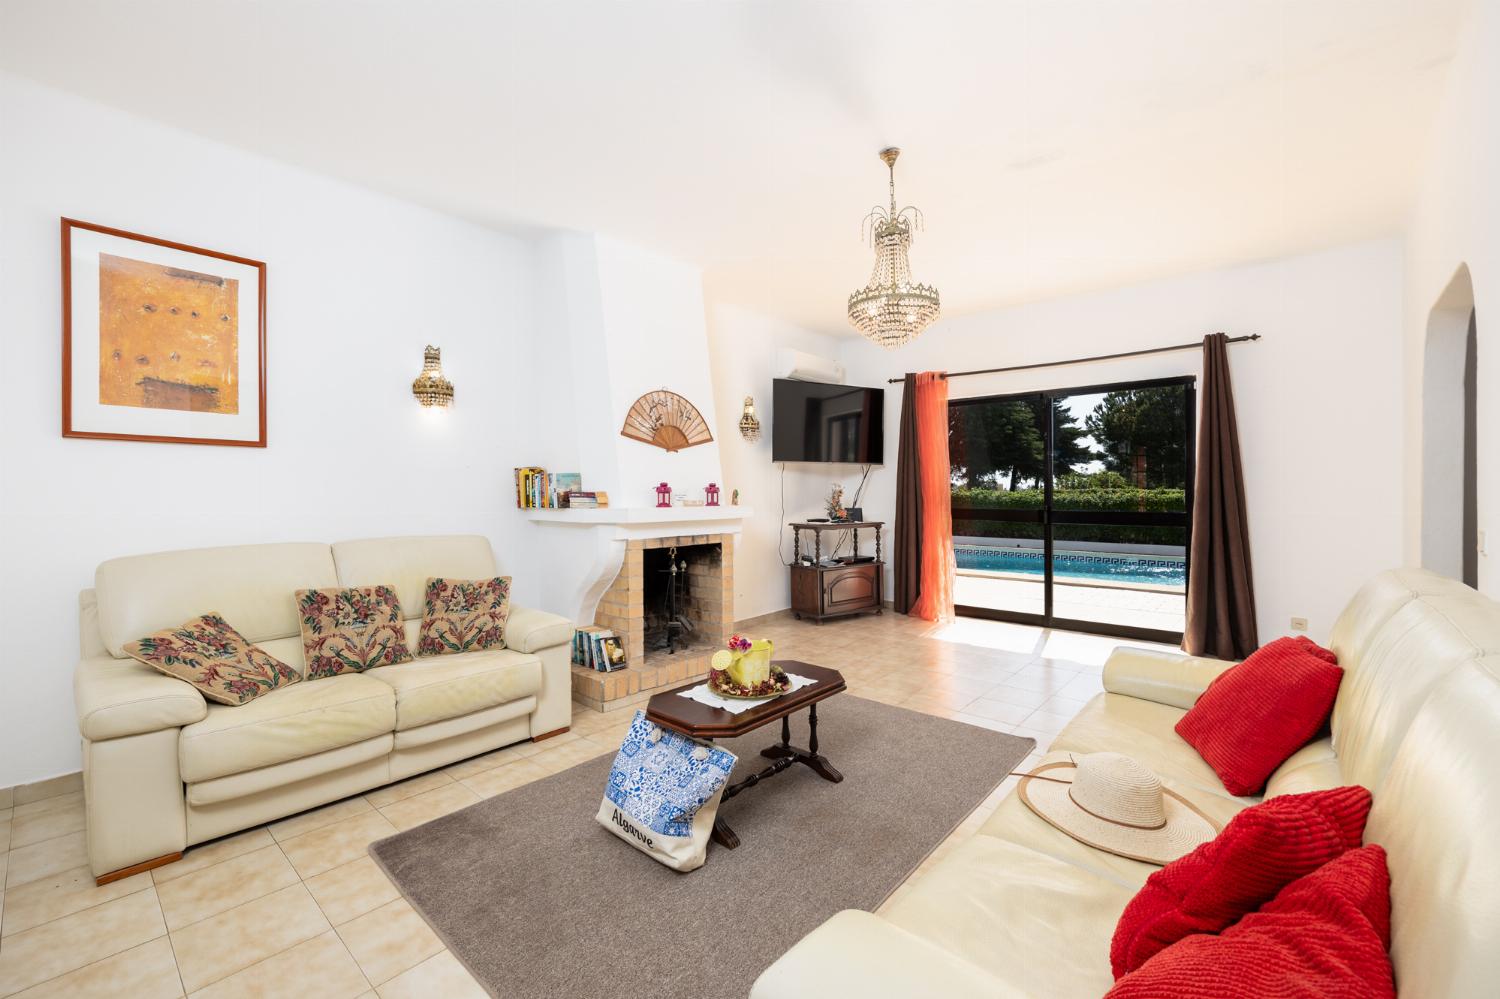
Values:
[(351, 629), (215, 658), (464, 615)]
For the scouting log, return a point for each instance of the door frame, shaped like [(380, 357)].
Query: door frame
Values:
[(1049, 517)]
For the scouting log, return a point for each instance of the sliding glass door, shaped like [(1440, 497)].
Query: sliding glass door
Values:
[(1071, 508)]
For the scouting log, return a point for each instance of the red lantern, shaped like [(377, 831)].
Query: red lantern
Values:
[(712, 492), (663, 495)]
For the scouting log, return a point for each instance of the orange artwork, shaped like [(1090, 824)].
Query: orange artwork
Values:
[(168, 337)]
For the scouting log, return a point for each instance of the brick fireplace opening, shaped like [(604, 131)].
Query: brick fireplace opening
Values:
[(672, 604)]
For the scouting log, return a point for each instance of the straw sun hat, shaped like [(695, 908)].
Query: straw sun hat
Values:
[(1112, 803)]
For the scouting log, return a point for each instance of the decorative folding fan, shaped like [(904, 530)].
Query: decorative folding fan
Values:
[(667, 420)]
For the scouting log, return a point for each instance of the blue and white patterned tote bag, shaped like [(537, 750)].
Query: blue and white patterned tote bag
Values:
[(664, 792)]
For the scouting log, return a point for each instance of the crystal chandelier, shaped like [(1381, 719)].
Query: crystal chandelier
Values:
[(891, 310)]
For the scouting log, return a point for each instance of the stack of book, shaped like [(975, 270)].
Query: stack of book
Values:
[(585, 501), (537, 489), (598, 649)]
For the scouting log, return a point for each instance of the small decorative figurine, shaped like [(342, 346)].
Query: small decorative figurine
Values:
[(734, 498), (663, 495), (711, 494)]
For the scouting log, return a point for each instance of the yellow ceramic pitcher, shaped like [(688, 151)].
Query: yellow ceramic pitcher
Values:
[(746, 667)]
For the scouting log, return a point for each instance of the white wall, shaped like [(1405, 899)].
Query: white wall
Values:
[(1317, 400), (744, 345), (1456, 224), (357, 284)]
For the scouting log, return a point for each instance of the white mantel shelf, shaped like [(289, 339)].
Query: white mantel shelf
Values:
[(639, 515)]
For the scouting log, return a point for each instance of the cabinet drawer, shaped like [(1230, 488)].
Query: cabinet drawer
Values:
[(846, 589)]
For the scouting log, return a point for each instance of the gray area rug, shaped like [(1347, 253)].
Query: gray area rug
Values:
[(537, 899)]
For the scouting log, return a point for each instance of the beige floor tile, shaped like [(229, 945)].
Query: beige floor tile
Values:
[(1042, 720), (66, 784), (216, 852), (1043, 739), (489, 761), (148, 971), (326, 848), (50, 856), (223, 886), (319, 818), (1002, 711), (44, 952), (565, 757), (62, 894), (389, 940), (352, 889), (439, 975), (4, 840), (4, 863), (502, 779), (7, 797), (34, 828), (429, 805), (401, 790), (216, 948), (320, 968), (49, 804)]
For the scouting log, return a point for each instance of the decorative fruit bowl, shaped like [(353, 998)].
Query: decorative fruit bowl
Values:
[(721, 683)]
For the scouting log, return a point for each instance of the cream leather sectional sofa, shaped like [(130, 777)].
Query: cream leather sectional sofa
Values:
[(164, 769), (1021, 909)]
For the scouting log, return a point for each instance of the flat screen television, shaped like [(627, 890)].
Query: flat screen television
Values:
[(814, 421)]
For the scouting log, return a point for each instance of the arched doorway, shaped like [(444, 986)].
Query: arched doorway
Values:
[(1450, 446)]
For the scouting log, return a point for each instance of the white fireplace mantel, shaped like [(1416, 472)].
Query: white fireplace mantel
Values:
[(590, 548), (632, 516)]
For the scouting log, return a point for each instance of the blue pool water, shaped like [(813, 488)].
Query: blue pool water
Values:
[(1162, 570)]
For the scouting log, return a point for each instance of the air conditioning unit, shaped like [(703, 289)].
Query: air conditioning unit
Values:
[(807, 367)]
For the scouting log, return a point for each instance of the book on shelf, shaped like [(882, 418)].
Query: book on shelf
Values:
[(587, 500), (598, 649)]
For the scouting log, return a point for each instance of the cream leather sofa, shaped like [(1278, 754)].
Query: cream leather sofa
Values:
[(1020, 909), (164, 769)]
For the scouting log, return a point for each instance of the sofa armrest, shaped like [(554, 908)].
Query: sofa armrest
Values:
[(1163, 677), (120, 697), (528, 630), (859, 954)]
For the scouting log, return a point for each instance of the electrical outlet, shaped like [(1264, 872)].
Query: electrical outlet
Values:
[(1299, 624)]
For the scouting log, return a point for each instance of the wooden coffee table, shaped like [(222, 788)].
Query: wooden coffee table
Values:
[(703, 722)]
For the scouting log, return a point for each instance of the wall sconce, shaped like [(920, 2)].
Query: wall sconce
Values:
[(431, 388), (749, 425)]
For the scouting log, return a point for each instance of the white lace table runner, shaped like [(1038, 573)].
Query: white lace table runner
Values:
[(734, 706)]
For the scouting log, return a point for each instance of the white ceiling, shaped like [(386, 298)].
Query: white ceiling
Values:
[(1055, 146)]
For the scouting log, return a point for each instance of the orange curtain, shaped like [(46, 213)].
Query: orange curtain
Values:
[(935, 598)]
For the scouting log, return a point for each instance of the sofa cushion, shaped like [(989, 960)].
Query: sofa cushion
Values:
[(464, 615), (1039, 924), (1263, 849), (349, 629), (407, 563), (1314, 767), (286, 724), (1325, 934), (250, 585), (209, 654), (435, 689), (1256, 715)]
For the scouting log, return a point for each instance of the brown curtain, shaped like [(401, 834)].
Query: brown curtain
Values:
[(1221, 589), (907, 550)]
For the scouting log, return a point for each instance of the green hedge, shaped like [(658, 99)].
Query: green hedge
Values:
[(1109, 500)]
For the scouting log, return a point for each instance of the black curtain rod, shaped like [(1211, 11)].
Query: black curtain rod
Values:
[(1086, 360)]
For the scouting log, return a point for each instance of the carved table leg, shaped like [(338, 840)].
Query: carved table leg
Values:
[(723, 835)]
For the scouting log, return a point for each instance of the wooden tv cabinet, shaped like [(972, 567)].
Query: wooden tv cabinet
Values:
[(826, 589)]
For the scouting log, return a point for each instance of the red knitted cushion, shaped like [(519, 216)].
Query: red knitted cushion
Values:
[(1326, 934), (1256, 714), (1327, 655), (1261, 851)]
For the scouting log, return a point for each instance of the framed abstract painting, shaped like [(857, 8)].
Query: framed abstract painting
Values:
[(161, 341)]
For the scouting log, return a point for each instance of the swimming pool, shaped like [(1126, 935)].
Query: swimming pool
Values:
[(1097, 567)]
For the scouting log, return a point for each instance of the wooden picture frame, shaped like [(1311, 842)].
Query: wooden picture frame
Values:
[(155, 337)]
